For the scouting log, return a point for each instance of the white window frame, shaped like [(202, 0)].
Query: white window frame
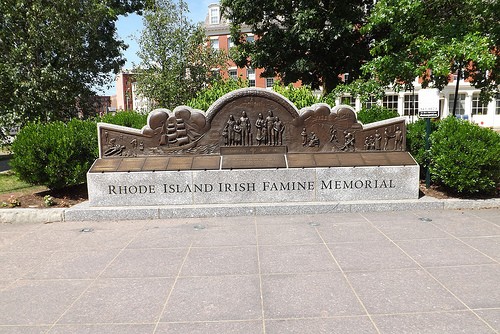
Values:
[(408, 110), (251, 77), (478, 108), (391, 102), (214, 43), (461, 104), (214, 15), (230, 42), (269, 82), (348, 100), (372, 101), (231, 71)]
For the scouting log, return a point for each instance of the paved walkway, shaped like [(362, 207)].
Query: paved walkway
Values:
[(392, 272)]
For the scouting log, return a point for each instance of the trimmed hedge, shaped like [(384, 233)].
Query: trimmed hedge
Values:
[(375, 114), (130, 119), (415, 142), (55, 154), (59, 154), (465, 157)]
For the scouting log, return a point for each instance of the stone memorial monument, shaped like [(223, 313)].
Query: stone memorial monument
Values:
[(252, 146)]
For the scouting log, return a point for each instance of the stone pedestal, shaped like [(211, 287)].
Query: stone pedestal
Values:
[(228, 180)]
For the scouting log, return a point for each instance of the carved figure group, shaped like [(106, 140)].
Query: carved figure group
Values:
[(311, 140), (268, 131), (374, 142)]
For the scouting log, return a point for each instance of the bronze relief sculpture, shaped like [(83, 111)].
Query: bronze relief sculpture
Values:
[(249, 118)]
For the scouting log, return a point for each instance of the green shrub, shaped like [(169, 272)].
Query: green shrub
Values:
[(300, 96), (206, 97), (465, 157), (55, 154), (375, 114), (415, 142), (129, 119)]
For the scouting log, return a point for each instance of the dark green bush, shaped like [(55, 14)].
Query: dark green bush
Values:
[(55, 154), (130, 119), (415, 142), (375, 114), (465, 157)]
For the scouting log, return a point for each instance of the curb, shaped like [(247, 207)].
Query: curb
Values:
[(83, 212)]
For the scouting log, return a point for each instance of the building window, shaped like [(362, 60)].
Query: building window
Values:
[(349, 100), (460, 104), (372, 101), (410, 105), (250, 39), (230, 42), (251, 77), (390, 102), (497, 104), (478, 108), (233, 74), (269, 82), (214, 15), (214, 43)]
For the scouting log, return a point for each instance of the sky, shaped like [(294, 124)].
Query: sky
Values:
[(129, 29)]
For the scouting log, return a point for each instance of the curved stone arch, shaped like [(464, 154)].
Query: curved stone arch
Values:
[(252, 92)]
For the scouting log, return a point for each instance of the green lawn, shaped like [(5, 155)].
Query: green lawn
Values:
[(10, 183)]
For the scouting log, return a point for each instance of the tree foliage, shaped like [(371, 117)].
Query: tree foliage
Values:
[(176, 61), (53, 53), (433, 38), (308, 40)]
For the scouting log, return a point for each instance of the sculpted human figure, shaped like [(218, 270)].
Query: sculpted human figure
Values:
[(260, 125), (372, 142), (398, 140), (387, 136), (366, 146), (378, 140), (349, 141), (245, 129), (269, 127), (278, 129), (225, 136), (333, 134), (314, 140), (304, 136), (237, 132), (230, 129)]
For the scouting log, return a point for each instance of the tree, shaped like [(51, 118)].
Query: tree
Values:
[(53, 53), (308, 40), (176, 61), (432, 39)]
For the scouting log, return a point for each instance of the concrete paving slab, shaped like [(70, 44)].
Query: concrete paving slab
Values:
[(122, 301), (430, 323), (313, 295), (358, 256), (401, 291), (240, 327), (369, 272), (344, 325), (443, 252), (474, 285), (214, 298)]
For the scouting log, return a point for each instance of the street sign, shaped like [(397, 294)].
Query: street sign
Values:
[(428, 103)]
